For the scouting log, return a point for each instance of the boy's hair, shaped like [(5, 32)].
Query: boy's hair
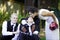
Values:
[(33, 9), (14, 14)]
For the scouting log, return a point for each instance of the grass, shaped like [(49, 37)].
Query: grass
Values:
[(43, 38), (42, 34)]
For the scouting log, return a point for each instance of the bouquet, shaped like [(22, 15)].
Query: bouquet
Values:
[(53, 26)]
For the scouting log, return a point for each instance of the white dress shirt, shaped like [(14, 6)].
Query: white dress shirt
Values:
[(16, 35), (30, 27), (4, 29)]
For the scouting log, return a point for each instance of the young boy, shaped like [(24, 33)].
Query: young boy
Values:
[(27, 28), (9, 28)]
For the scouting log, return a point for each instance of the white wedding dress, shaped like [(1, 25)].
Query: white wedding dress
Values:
[(50, 35)]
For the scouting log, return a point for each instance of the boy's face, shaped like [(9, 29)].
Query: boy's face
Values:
[(30, 19), (14, 18)]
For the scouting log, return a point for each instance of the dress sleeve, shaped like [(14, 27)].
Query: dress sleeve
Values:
[(40, 14)]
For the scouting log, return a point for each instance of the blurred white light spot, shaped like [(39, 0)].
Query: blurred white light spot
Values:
[(11, 7), (9, 3)]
